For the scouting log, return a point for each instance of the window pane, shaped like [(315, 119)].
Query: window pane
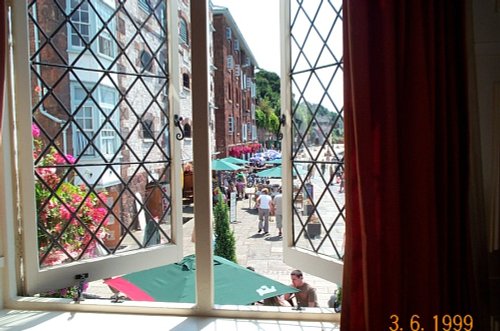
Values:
[(318, 130), (93, 151)]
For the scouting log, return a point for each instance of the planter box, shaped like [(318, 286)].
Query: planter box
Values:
[(313, 230), (308, 209)]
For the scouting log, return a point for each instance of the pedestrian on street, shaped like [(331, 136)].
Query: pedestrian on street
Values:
[(264, 202), (342, 182), (278, 211)]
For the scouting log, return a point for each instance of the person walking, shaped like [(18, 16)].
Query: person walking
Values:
[(342, 182), (278, 211), (264, 202)]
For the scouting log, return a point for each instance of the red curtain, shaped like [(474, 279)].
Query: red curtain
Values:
[(3, 47), (406, 124)]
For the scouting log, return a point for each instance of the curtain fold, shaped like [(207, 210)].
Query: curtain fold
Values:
[(406, 123)]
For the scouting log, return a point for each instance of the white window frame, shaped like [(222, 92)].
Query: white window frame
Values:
[(230, 62), (104, 45), (244, 132), (204, 306), (229, 33), (183, 31), (248, 84), (36, 279), (230, 124), (97, 119), (316, 264), (78, 23)]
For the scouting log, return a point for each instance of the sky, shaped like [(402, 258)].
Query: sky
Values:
[(258, 21)]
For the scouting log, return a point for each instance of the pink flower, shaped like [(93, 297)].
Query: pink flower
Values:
[(70, 158), (35, 130), (59, 159), (103, 196), (98, 214), (62, 160), (65, 212), (76, 198)]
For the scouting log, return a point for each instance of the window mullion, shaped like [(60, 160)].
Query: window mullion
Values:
[(201, 156)]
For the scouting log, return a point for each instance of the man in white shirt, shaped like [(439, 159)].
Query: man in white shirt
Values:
[(264, 202)]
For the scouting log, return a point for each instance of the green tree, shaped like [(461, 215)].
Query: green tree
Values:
[(268, 87), (225, 243)]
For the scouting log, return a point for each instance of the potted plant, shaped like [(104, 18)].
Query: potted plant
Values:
[(225, 243), (313, 226)]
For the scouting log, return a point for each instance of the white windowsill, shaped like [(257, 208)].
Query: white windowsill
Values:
[(54, 321)]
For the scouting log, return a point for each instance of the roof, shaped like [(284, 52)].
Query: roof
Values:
[(219, 10)]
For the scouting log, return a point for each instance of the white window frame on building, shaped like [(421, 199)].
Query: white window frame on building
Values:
[(230, 124), (35, 279), (230, 62), (88, 24), (91, 117), (183, 31)]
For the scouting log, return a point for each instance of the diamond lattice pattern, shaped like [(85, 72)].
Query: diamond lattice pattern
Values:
[(100, 127), (318, 126)]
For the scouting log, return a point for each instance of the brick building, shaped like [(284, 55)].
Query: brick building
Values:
[(234, 86), (111, 112)]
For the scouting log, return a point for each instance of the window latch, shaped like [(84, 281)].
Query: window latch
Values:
[(177, 122), (282, 120)]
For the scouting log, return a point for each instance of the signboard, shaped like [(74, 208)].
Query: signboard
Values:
[(232, 211)]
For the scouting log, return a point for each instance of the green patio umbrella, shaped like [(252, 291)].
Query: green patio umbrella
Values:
[(275, 172), (220, 165), (270, 173), (234, 284), (234, 160)]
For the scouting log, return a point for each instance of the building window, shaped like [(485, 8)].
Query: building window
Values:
[(236, 45), (230, 124), (183, 32), (105, 45), (85, 24), (145, 5), (244, 132), (187, 130), (148, 129), (230, 62), (228, 33), (92, 112), (146, 61), (80, 23), (186, 81)]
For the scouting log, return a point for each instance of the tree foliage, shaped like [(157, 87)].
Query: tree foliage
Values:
[(225, 243), (303, 117), (268, 87), (268, 100)]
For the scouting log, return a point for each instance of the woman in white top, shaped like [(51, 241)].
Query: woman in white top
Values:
[(264, 202)]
